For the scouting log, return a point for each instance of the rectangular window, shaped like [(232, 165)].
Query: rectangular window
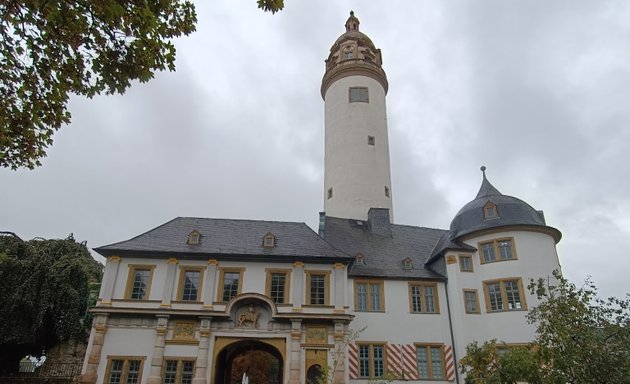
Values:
[(369, 296), (278, 285), (359, 95), (178, 371), (471, 301), (317, 287), (371, 360), (423, 298), (124, 370), (465, 263), (504, 295), (430, 362), (139, 282), (190, 284), (371, 140), (497, 250), (230, 283)]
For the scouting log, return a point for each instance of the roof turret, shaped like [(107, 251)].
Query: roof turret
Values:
[(492, 209), (353, 53)]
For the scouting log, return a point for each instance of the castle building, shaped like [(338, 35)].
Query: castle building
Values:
[(221, 301)]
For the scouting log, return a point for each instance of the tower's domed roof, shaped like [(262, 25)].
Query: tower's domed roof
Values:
[(492, 209), (353, 53), (352, 32)]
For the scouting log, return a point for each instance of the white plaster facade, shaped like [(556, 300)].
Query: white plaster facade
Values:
[(159, 326), (357, 171)]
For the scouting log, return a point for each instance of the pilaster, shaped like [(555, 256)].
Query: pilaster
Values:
[(99, 327), (109, 279), (298, 285), (169, 283), (210, 278), (340, 286), (295, 358), (201, 365), (155, 373)]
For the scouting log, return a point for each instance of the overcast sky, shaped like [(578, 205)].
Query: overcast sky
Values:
[(538, 91)]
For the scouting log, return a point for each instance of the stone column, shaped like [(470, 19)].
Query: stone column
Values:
[(340, 286), (298, 285), (109, 280), (209, 281), (341, 346), (295, 357), (93, 355), (169, 282), (201, 365), (155, 373)]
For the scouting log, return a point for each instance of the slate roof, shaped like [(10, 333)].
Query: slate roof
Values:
[(384, 255), (225, 237), (511, 211)]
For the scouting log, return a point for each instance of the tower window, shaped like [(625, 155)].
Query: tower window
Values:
[(386, 191), (359, 95), (330, 193), (371, 140)]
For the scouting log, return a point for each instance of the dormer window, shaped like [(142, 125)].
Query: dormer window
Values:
[(490, 211), (359, 259), (269, 240), (407, 263), (194, 238)]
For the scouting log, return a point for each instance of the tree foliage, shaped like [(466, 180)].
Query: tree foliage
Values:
[(44, 290), (51, 49), (580, 339), (484, 364)]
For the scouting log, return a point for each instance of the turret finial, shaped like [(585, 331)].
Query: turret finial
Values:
[(352, 24), (483, 170)]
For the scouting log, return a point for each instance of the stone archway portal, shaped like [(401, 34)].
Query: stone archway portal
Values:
[(259, 362)]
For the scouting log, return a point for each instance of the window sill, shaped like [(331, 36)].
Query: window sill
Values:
[(507, 310), (482, 262), (424, 313)]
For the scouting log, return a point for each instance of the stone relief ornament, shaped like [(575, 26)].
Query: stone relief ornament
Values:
[(248, 317)]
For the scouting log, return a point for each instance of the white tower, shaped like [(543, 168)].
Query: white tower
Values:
[(356, 169)]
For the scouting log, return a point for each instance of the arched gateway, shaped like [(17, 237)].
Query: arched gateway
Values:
[(252, 359)]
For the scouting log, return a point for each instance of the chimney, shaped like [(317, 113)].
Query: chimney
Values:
[(378, 222)]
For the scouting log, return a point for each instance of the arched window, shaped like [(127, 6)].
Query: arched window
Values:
[(194, 238)]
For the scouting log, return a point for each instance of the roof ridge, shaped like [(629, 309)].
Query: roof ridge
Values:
[(249, 220)]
